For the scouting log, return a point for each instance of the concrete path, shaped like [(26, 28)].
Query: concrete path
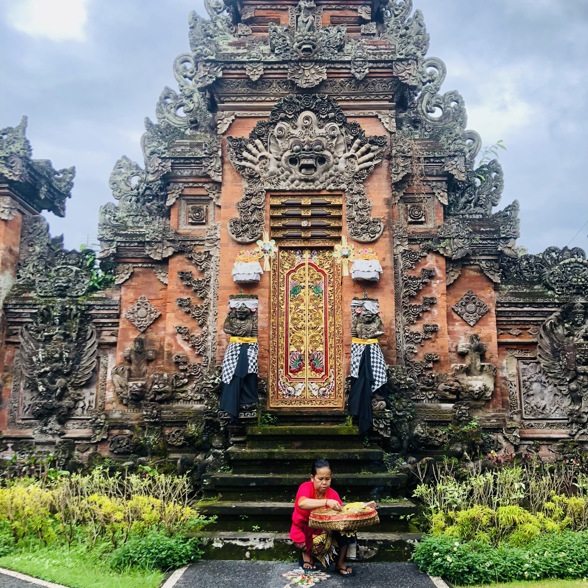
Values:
[(243, 574), (9, 579), (268, 574)]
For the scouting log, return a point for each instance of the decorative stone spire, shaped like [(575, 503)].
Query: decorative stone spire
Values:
[(33, 181)]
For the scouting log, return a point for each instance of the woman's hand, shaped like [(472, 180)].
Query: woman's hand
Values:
[(333, 504)]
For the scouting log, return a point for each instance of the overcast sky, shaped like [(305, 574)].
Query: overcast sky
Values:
[(87, 72)]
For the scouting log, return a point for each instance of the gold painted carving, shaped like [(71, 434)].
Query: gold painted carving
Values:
[(306, 335)]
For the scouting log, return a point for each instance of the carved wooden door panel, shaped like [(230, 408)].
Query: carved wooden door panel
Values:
[(306, 330)]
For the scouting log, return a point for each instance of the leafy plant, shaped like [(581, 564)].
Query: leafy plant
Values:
[(155, 551), (101, 273), (267, 419)]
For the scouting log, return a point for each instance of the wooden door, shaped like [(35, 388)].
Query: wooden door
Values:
[(306, 330)]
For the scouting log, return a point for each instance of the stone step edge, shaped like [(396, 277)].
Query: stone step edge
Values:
[(271, 479), (268, 538), (250, 507), (302, 454), (286, 430)]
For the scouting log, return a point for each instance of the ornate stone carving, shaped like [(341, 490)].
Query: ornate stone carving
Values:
[(151, 412), (46, 188), (365, 319), (476, 377), (99, 425), (305, 42), (306, 144), (241, 320), (479, 193), (407, 33), (563, 355), (138, 356), (223, 122), (176, 438), (365, 13), (508, 224), (121, 445), (470, 308), (563, 271), (142, 314), (142, 215), (122, 273), (307, 75), (7, 208), (58, 357), (541, 398), (48, 269), (360, 65)]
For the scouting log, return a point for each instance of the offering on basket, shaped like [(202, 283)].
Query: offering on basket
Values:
[(352, 516)]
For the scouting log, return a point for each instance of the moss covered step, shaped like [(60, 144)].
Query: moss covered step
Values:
[(276, 516), (245, 460), (282, 487), (259, 546), (316, 436)]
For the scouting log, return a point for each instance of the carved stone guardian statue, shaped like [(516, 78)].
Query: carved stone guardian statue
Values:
[(239, 369), (476, 377), (368, 368)]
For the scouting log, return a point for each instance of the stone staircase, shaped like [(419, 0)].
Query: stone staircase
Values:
[(253, 502)]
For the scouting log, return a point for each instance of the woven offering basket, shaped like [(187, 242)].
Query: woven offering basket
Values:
[(333, 520)]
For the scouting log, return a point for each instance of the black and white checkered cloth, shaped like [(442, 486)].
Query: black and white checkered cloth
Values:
[(231, 359), (377, 359)]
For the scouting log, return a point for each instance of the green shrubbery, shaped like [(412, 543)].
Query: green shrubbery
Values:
[(515, 523), (155, 551), (554, 555), (141, 520)]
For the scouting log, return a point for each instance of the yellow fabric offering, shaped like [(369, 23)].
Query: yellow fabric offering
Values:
[(354, 507)]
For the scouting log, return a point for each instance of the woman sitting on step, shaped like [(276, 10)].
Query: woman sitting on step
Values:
[(316, 543)]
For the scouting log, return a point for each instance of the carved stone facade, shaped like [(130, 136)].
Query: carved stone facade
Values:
[(311, 138)]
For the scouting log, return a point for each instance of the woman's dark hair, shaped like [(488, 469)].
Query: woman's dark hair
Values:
[(318, 464)]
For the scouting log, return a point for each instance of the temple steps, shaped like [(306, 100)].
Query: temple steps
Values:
[(251, 516), (245, 460), (253, 501), (319, 436), (279, 487)]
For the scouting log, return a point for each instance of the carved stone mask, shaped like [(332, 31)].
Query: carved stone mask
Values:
[(307, 150), (242, 312), (307, 159)]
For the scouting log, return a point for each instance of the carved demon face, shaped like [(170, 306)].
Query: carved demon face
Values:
[(307, 159), (307, 150)]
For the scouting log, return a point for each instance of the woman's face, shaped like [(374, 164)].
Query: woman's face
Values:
[(321, 480)]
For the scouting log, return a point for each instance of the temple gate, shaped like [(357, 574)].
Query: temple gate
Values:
[(309, 197)]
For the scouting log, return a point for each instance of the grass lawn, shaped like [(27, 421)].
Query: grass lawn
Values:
[(541, 584), (76, 568)]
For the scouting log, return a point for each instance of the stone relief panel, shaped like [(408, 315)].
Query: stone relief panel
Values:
[(563, 355), (195, 213), (55, 376), (540, 398)]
